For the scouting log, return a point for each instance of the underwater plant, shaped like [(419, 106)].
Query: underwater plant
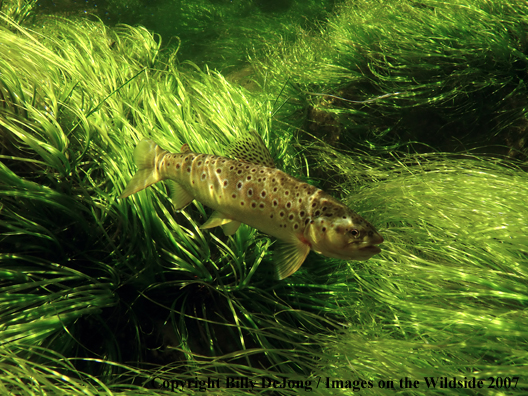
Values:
[(407, 75), (100, 295)]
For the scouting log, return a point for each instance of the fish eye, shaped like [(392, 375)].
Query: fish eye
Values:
[(354, 232)]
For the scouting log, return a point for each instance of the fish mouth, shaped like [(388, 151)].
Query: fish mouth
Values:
[(371, 249)]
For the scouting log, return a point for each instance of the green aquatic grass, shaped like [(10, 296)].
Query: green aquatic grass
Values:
[(98, 279), (448, 291), (389, 73), (19, 11), (217, 33), (112, 293)]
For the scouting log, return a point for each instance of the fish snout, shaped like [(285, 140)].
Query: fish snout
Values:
[(377, 239)]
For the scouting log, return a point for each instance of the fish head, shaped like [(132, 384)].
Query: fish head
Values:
[(346, 236)]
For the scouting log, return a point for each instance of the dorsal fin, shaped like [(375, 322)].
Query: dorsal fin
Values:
[(251, 148)]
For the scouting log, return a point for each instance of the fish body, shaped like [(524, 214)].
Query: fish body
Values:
[(299, 215)]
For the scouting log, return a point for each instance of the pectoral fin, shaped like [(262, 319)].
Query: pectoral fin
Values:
[(289, 257), (216, 219)]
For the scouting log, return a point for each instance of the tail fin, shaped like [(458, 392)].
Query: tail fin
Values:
[(146, 155)]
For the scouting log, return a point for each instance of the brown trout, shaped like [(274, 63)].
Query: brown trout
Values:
[(251, 190)]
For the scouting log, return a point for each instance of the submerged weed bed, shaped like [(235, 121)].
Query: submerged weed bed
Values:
[(439, 75), (107, 296)]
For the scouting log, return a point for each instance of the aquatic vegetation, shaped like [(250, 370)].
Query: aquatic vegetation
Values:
[(106, 280), (19, 11), (451, 284), (397, 73), (102, 295)]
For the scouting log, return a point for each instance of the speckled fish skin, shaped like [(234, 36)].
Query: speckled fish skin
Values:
[(299, 214)]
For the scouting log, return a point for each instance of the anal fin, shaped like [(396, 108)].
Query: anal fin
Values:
[(289, 256), (180, 197), (231, 227), (216, 219)]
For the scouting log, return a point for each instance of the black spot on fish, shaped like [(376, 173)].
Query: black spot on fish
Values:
[(314, 205), (290, 217), (253, 170), (295, 226), (219, 171), (233, 196), (188, 169), (177, 166), (275, 189), (261, 206), (306, 221), (317, 213), (253, 205), (273, 180), (247, 167), (203, 176), (288, 205), (225, 183), (239, 185), (241, 203), (275, 203), (324, 208), (239, 172), (323, 229), (249, 177), (262, 171), (250, 192), (263, 194), (199, 163), (231, 167), (271, 216), (286, 192), (301, 213), (300, 200), (281, 213)]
